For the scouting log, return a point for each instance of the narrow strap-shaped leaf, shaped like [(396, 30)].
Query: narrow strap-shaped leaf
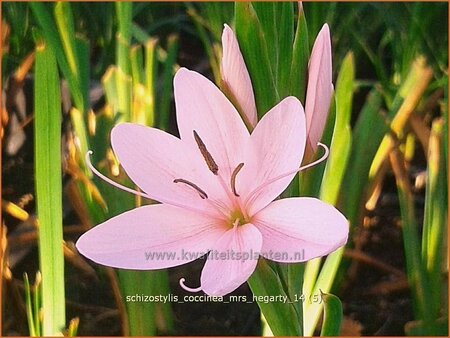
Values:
[(435, 217), (136, 61), (332, 316), (49, 189), (324, 282), (166, 94), (417, 276), (29, 307), (124, 16), (367, 135), (285, 27), (256, 55), (44, 18), (267, 17), (407, 98), (300, 57), (342, 137), (281, 316), (151, 70)]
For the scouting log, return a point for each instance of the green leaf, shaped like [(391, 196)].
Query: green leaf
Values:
[(367, 135), (324, 282), (266, 13), (124, 12), (332, 316), (64, 21), (166, 92), (256, 55), (435, 218), (300, 57), (28, 306), (416, 272), (285, 30), (151, 71), (407, 98), (281, 317), (49, 189), (137, 62), (51, 36), (341, 141), (210, 47)]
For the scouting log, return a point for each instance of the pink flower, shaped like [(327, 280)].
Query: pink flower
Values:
[(236, 80), (238, 86), (320, 87), (217, 185)]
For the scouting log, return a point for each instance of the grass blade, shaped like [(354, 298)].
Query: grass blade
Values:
[(47, 24), (151, 70), (136, 61), (164, 110), (435, 218), (49, 189), (367, 135), (300, 57), (405, 102), (332, 315), (417, 278), (280, 316), (342, 137), (28, 305), (256, 55), (285, 30), (37, 303)]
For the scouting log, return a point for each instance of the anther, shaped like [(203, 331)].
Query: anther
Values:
[(212, 165), (202, 194), (233, 178)]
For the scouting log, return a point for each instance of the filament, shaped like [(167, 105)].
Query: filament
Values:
[(139, 193), (279, 177), (110, 181), (187, 288)]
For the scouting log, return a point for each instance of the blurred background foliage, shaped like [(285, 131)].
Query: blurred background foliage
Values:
[(390, 61)]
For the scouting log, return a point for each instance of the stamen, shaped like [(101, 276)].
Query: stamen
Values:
[(202, 194), (187, 288), (279, 177), (233, 178), (206, 154), (110, 181), (162, 200)]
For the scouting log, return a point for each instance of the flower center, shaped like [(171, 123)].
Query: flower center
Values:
[(237, 218)]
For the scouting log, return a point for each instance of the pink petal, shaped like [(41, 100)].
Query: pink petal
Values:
[(235, 77), (320, 87), (276, 147), (239, 248), (202, 107), (153, 159), (300, 228), (128, 240)]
